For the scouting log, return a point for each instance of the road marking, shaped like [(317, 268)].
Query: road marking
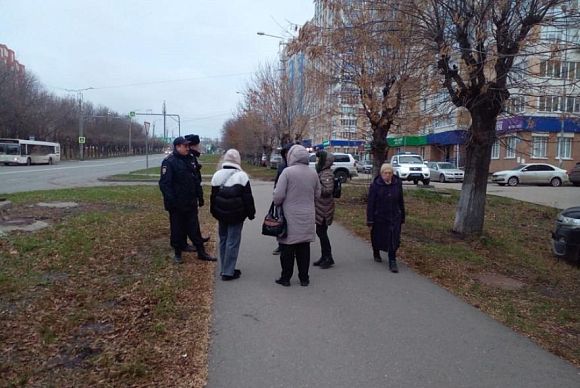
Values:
[(22, 171)]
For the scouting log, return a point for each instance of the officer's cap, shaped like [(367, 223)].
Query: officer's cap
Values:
[(180, 140)]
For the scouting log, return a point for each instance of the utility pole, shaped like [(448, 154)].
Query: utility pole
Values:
[(164, 122), (81, 129), (130, 128), (81, 139)]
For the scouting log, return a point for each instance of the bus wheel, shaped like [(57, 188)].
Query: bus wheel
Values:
[(50, 162), (28, 162)]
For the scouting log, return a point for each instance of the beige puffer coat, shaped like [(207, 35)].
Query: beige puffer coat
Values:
[(296, 190), (325, 204)]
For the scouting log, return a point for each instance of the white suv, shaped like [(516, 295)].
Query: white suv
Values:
[(344, 165), (410, 167)]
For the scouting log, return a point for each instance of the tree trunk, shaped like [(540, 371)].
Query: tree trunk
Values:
[(470, 212), (378, 147)]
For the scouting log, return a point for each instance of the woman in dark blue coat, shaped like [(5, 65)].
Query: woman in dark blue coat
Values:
[(386, 214)]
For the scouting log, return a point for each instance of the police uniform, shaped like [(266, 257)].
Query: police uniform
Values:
[(181, 188), (193, 160)]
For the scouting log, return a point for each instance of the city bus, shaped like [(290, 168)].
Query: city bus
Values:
[(18, 151)]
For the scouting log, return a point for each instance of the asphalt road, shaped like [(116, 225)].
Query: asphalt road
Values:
[(66, 174), (558, 197), (358, 325)]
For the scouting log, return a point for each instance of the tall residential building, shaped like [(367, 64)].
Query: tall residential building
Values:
[(8, 57)]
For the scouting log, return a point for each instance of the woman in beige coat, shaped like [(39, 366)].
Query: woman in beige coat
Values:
[(296, 191)]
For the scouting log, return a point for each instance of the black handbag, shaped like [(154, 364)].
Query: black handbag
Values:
[(274, 223)]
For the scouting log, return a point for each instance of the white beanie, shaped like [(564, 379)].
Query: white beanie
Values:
[(232, 157)]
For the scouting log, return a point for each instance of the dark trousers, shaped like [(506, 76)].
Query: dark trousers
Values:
[(184, 224), (300, 252), (322, 233)]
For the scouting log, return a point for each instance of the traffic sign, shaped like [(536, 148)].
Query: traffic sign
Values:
[(82, 139), (131, 114)]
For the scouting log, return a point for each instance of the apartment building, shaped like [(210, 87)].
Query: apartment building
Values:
[(8, 57)]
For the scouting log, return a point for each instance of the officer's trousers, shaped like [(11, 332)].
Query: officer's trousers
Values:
[(184, 224)]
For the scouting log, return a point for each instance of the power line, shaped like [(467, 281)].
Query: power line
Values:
[(161, 82)]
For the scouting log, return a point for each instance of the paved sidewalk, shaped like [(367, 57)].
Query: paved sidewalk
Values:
[(358, 325)]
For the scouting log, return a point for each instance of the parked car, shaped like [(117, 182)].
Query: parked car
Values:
[(344, 165), (275, 160), (531, 173), (410, 167), (574, 175), (566, 237), (364, 166), (445, 172)]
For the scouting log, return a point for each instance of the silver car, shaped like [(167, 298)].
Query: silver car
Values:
[(445, 172), (531, 173)]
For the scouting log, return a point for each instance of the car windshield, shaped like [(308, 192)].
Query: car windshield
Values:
[(519, 167), (410, 159), (446, 166)]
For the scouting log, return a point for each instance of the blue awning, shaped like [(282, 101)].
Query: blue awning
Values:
[(457, 136)]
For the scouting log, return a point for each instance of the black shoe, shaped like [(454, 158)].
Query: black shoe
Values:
[(202, 255), (393, 266), (327, 263), (177, 259), (319, 261), (204, 239), (304, 283), (377, 256), (236, 275), (276, 251), (190, 248), (285, 283)]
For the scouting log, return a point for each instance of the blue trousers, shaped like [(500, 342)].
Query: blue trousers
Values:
[(230, 238)]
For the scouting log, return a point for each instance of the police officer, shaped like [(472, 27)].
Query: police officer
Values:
[(180, 186), (194, 154)]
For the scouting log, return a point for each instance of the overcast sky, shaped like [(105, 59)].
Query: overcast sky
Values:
[(194, 54)]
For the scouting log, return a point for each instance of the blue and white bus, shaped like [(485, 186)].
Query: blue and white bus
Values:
[(18, 151)]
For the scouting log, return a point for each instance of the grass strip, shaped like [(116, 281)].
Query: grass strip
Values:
[(96, 300)]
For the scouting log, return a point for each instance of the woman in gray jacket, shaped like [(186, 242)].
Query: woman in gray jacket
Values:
[(296, 191), (324, 207)]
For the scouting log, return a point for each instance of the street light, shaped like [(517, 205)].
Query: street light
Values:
[(81, 137), (273, 36)]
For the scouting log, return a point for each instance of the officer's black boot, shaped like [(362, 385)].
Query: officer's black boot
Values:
[(377, 255), (177, 258), (203, 255)]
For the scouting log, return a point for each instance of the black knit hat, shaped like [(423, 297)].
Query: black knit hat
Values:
[(193, 139)]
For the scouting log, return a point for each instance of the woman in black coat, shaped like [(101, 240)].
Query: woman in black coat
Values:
[(386, 214)]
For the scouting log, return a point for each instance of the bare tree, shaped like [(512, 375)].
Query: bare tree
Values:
[(364, 51), (475, 45)]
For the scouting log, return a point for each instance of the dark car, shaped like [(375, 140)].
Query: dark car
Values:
[(574, 175), (566, 237)]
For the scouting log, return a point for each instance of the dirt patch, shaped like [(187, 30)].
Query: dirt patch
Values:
[(499, 281)]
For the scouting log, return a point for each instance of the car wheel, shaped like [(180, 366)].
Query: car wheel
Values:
[(556, 182), (342, 176), (28, 162), (513, 181), (426, 182), (442, 178)]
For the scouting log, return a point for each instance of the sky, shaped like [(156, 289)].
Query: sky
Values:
[(196, 55)]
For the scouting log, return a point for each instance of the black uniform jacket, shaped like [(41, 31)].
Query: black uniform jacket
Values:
[(179, 183)]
